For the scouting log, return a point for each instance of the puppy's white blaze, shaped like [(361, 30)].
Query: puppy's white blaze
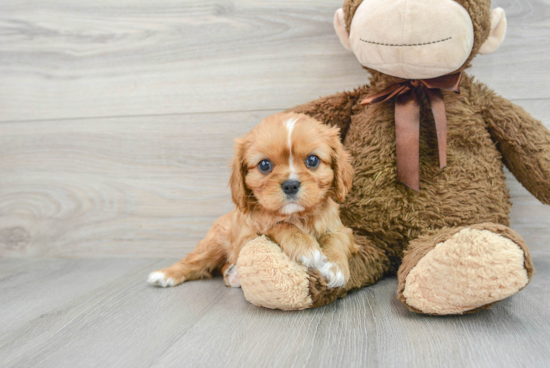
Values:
[(334, 276), (290, 127), (291, 208), (160, 279)]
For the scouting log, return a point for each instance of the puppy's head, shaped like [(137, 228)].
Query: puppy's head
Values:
[(289, 163)]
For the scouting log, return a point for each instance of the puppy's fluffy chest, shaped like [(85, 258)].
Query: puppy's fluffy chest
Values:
[(316, 223)]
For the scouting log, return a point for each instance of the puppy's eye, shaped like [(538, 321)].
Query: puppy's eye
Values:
[(312, 161), (265, 166)]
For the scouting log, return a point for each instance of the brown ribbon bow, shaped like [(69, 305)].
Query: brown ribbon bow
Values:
[(407, 121)]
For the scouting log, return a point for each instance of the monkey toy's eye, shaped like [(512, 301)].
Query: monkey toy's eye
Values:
[(312, 161), (265, 166)]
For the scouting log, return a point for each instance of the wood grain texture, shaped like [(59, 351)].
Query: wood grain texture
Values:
[(66, 59), (100, 313)]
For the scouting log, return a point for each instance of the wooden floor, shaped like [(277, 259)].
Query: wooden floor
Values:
[(116, 128), (100, 313)]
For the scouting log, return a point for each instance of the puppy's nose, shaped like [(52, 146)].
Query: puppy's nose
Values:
[(291, 187)]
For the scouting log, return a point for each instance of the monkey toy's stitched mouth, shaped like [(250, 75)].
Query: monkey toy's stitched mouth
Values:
[(406, 44)]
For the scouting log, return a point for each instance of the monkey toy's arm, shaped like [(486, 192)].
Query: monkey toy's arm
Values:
[(523, 141), (334, 110)]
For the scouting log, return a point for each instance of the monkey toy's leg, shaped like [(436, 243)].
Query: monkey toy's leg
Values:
[(463, 270), (270, 278)]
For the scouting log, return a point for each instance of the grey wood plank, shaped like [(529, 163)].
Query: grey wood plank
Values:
[(60, 284), (144, 186), (126, 323), (66, 59), (87, 325)]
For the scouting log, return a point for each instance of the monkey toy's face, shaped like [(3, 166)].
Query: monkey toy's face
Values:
[(415, 39)]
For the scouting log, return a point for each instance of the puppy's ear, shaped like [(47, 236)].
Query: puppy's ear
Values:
[(343, 171), (239, 191)]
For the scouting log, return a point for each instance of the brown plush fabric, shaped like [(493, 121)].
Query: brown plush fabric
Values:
[(318, 291), (350, 6), (480, 12), (420, 247), (368, 266), (470, 190), (335, 110)]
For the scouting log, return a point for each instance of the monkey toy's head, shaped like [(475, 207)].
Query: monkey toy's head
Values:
[(419, 39)]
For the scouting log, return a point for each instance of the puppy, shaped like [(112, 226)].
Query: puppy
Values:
[(287, 176)]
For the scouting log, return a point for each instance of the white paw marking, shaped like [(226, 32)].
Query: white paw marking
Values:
[(232, 277), (330, 271), (316, 259), (160, 279)]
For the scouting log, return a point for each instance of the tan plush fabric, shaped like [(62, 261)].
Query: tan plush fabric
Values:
[(479, 11), (270, 279), (412, 39), (471, 269), (340, 28)]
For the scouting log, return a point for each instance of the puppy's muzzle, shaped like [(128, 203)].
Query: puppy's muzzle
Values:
[(291, 187)]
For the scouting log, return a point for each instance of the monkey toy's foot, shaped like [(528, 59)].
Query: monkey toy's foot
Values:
[(463, 270)]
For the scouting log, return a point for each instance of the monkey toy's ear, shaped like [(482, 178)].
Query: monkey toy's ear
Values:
[(340, 27), (498, 31)]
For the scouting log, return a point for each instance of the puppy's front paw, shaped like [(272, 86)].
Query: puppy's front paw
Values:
[(305, 249), (230, 277), (334, 275), (164, 278), (312, 258)]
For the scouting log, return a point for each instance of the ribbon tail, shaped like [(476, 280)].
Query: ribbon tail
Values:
[(440, 116), (407, 132)]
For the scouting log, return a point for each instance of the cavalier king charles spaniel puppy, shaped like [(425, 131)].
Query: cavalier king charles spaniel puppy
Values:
[(288, 175)]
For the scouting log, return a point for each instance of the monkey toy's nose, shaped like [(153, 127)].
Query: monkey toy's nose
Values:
[(291, 187)]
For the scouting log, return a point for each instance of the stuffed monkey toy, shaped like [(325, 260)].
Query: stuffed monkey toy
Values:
[(429, 199)]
